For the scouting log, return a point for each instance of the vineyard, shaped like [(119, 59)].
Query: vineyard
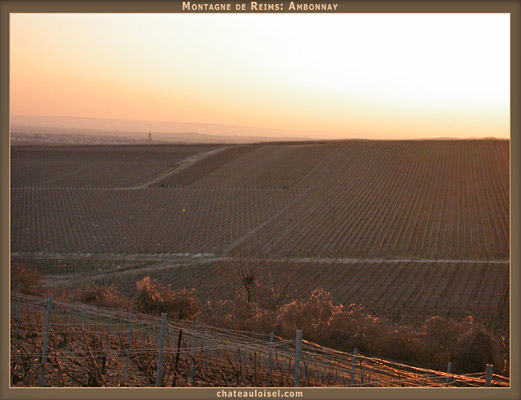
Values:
[(408, 229), (63, 345), (397, 199), (96, 165), (156, 220), (269, 166), (211, 163), (361, 199)]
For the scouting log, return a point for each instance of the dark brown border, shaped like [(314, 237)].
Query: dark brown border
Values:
[(512, 7)]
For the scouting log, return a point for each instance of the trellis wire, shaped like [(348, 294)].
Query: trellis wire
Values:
[(322, 366)]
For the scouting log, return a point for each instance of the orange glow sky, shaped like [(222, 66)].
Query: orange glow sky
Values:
[(315, 75)]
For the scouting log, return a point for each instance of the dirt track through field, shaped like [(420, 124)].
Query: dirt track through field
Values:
[(184, 164), (253, 231), (206, 257), (167, 261)]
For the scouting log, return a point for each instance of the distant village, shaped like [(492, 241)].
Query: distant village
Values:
[(65, 138)]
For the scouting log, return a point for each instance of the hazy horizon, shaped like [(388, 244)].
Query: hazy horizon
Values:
[(372, 76), (168, 130), (163, 130)]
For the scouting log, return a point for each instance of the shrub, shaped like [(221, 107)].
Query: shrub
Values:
[(365, 329), (466, 344), (331, 325), (439, 337), (400, 343), (238, 315), (476, 347), (313, 316), (439, 340), (29, 278), (255, 293), (101, 296), (155, 299), (260, 285)]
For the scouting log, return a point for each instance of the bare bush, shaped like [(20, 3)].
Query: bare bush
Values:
[(466, 344), (254, 293), (154, 298), (101, 296), (400, 343), (313, 316), (332, 325), (476, 347), (29, 278), (439, 336)]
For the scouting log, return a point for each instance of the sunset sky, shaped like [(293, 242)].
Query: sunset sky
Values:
[(317, 75)]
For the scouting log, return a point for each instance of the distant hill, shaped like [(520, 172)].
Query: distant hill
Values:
[(186, 132)]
